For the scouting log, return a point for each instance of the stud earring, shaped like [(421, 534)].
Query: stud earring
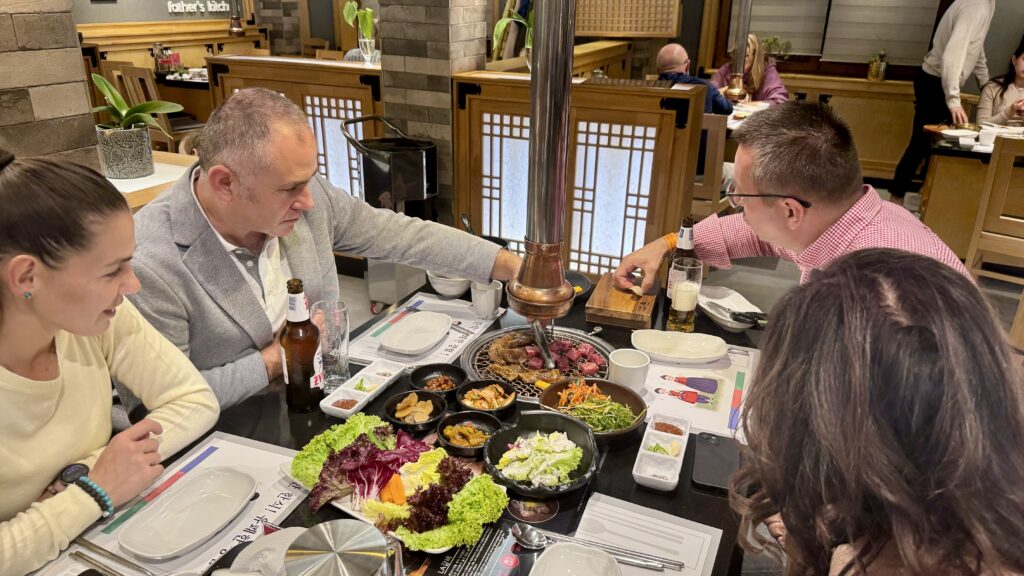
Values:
[(28, 295)]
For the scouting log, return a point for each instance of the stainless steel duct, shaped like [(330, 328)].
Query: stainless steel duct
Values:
[(736, 92), (541, 292)]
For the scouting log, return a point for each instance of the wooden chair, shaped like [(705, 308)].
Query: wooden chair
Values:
[(707, 190), (140, 84), (311, 45), (970, 105), (244, 50), (330, 55), (999, 229)]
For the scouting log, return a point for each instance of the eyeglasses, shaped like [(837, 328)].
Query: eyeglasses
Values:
[(732, 196)]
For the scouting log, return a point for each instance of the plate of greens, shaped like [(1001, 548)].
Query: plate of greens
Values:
[(426, 498)]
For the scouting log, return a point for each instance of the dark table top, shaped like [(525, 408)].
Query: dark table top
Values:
[(264, 417), (161, 79)]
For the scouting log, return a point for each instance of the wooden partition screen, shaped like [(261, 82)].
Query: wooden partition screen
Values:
[(613, 57), (631, 165), (328, 91), (194, 41)]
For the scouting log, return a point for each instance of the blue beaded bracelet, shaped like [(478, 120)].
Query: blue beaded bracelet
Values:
[(98, 494)]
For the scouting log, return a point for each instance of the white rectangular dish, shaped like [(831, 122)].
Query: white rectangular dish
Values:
[(373, 380), (657, 470)]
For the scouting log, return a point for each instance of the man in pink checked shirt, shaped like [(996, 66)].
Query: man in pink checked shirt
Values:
[(799, 185)]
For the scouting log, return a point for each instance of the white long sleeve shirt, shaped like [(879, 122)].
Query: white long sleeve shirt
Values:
[(958, 47)]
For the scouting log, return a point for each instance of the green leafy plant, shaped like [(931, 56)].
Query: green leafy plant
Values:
[(502, 24), (776, 47), (125, 117), (352, 12), (880, 57)]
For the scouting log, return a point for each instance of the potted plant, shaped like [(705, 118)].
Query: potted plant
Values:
[(776, 47), (124, 145), (367, 43), (877, 66)]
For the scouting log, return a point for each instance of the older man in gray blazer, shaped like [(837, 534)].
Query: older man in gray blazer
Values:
[(215, 250)]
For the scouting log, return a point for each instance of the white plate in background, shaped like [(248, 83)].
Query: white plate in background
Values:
[(416, 333), (679, 347), (570, 559), (198, 506), (728, 298)]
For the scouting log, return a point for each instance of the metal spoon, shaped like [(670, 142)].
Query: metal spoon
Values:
[(532, 539), (595, 331)]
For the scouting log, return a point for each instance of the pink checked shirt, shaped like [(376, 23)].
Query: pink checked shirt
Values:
[(870, 223)]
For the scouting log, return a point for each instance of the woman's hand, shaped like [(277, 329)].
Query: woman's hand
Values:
[(777, 529), (130, 462)]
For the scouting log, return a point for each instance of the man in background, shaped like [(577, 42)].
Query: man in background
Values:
[(958, 50)]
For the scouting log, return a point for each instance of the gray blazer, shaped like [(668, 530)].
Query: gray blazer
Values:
[(195, 295)]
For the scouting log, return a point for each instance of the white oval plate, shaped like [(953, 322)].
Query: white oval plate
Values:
[(676, 347), (729, 298), (194, 509), (345, 505), (417, 333), (570, 559), (954, 134)]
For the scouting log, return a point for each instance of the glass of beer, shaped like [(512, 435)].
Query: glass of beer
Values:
[(687, 274)]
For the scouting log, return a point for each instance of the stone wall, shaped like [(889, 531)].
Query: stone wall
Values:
[(424, 42), (281, 17), (44, 106)]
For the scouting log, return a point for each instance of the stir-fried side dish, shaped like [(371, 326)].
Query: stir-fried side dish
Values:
[(412, 410), (541, 460), (465, 435), (586, 402), (515, 357), (440, 383), (489, 397)]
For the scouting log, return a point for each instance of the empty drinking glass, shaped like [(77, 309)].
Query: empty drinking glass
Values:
[(331, 318)]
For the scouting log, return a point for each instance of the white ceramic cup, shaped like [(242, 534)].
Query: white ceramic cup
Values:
[(629, 368), (987, 137), (486, 298), (967, 142)]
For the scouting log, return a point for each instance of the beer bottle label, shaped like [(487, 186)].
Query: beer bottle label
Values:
[(685, 241), (284, 364), (317, 380), (298, 310)]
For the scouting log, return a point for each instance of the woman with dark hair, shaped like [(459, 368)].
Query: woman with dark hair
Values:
[(1002, 99), (66, 240), (887, 425)]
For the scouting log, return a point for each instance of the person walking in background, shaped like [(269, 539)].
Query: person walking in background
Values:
[(958, 50), (760, 75), (1002, 99)]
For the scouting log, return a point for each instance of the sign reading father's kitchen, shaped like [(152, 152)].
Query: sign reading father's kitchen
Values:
[(198, 7)]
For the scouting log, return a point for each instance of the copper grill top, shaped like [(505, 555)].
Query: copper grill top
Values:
[(475, 361)]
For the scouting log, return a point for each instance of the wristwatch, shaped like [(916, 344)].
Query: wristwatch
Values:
[(71, 473)]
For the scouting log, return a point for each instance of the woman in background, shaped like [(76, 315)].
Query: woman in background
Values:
[(760, 75), (66, 241), (887, 425), (1002, 99)]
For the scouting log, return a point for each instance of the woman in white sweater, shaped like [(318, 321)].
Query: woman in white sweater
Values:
[(1002, 99), (66, 241)]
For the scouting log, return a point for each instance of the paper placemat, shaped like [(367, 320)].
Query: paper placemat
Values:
[(366, 348), (616, 522), (718, 413), (276, 497)]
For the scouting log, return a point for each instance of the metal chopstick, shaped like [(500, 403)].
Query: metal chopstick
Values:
[(94, 563), (668, 563), (84, 543)]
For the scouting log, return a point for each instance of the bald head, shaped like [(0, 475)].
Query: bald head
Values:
[(673, 58)]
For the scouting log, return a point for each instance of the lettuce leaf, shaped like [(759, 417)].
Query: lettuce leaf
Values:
[(385, 511), (480, 502), (422, 472), (457, 534), (310, 460)]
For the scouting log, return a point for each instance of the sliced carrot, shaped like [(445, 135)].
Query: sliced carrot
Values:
[(393, 491)]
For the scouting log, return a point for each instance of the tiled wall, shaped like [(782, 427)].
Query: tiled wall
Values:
[(44, 106), (281, 17), (424, 42)]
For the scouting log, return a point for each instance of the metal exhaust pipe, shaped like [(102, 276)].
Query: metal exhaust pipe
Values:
[(541, 291)]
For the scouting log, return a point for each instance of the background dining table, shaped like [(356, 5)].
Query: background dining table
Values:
[(265, 418)]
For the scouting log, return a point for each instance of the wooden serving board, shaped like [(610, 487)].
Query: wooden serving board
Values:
[(616, 307)]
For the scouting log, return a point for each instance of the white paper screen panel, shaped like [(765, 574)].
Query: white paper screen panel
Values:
[(338, 160)]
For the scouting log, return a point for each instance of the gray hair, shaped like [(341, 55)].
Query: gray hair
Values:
[(238, 131), (804, 149)]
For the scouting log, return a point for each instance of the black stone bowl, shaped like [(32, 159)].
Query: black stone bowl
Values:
[(483, 422), (618, 393), (583, 281), (545, 422), (420, 376), (502, 412), (435, 415)]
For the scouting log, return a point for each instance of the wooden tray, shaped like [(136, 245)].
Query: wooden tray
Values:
[(610, 305)]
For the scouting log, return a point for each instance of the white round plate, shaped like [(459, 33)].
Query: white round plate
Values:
[(954, 134), (679, 347), (417, 333), (570, 559)]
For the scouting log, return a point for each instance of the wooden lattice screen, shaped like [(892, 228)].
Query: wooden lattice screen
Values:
[(628, 18)]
